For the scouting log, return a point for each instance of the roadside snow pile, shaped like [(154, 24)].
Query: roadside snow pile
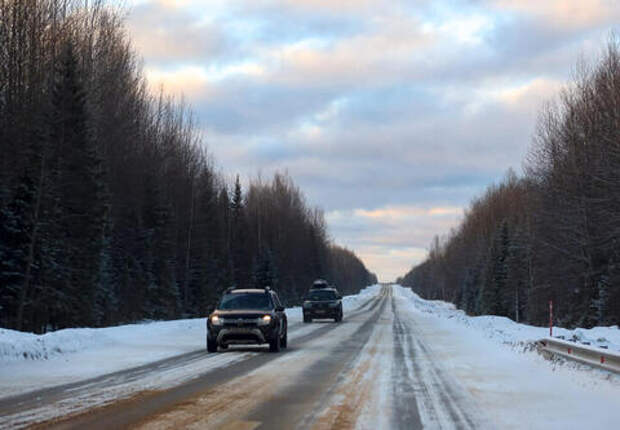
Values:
[(159, 338), (507, 331), (15, 345)]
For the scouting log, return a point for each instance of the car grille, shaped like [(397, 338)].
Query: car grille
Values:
[(320, 305), (239, 322), (241, 336)]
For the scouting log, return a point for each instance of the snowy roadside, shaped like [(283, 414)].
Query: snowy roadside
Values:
[(29, 362), (507, 331), (514, 386)]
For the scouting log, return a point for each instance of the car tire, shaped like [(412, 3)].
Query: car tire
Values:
[(275, 344), (307, 319), (284, 341), (338, 317), (211, 345)]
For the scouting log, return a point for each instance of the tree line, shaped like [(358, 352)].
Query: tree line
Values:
[(111, 209), (553, 233)]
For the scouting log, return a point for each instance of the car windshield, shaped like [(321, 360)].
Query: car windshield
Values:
[(322, 295), (246, 301)]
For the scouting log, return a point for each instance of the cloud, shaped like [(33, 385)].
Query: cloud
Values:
[(392, 238), (389, 262), (182, 81), (390, 114), (181, 31), (567, 14)]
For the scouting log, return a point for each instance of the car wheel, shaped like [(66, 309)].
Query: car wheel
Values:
[(307, 319), (211, 345), (274, 345), (284, 341)]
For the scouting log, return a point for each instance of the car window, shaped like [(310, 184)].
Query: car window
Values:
[(321, 295), (246, 301)]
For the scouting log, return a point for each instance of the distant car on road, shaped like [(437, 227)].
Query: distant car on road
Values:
[(320, 283), (323, 302), (248, 316)]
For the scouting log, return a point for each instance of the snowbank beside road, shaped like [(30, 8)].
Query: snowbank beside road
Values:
[(512, 388), (507, 331), (157, 339), (29, 362)]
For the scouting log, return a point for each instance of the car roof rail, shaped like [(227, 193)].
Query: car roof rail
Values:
[(267, 288), (229, 289)]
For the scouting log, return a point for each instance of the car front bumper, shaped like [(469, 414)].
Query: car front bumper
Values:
[(322, 313), (231, 335)]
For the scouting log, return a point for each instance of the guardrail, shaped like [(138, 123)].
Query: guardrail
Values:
[(593, 356)]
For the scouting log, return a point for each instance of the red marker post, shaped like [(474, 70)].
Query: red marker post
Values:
[(550, 318)]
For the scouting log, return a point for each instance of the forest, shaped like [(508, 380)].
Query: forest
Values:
[(111, 208), (552, 234)]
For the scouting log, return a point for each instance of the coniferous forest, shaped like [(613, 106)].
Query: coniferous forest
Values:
[(111, 209), (552, 234)]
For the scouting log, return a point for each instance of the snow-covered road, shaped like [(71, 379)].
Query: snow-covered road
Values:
[(396, 361)]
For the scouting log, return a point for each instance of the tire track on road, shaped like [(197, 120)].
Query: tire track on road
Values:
[(314, 406), (421, 381)]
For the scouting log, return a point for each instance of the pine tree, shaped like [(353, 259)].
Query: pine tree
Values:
[(82, 188), (239, 239), (265, 271), (15, 231), (469, 291), (159, 262), (491, 297), (599, 305), (106, 298)]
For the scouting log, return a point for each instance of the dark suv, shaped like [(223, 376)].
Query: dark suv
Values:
[(322, 303), (244, 317)]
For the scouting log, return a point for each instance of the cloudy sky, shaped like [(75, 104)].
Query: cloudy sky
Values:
[(391, 115)]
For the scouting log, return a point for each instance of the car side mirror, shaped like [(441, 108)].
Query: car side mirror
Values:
[(279, 308)]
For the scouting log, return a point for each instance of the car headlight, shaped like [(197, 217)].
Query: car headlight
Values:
[(217, 321), (264, 320), (334, 305)]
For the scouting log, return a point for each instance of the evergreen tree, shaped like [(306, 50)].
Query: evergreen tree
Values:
[(162, 288), (491, 297), (15, 231), (106, 298), (265, 271), (82, 188), (469, 291), (599, 305), (239, 239)]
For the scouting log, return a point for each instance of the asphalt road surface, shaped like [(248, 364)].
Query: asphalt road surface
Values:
[(370, 371)]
